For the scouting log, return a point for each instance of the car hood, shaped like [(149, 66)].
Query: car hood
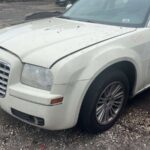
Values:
[(45, 41)]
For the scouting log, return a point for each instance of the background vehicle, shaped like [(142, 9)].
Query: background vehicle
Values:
[(65, 2)]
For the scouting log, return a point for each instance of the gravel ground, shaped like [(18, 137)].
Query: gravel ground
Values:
[(130, 133), (16, 12)]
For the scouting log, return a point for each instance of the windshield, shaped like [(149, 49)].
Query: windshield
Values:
[(132, 13)]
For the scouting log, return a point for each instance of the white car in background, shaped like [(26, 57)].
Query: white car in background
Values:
[(80, 67)]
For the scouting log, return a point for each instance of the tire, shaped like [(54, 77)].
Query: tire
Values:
[(90, 119)]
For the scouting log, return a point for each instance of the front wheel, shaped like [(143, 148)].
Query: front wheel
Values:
[(104, 101)]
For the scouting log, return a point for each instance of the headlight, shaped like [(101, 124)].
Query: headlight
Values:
[(37, 77)]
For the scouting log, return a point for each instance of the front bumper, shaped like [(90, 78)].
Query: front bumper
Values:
[(52, 116), (33, 105)]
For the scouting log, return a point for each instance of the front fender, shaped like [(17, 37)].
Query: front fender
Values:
[(87, 65)]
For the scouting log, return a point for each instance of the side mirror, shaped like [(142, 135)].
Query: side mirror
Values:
[(68, 6)]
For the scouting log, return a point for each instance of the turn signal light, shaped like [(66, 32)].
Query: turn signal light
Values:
[(57, 101)]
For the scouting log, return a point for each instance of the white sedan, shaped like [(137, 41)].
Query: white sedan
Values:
[(80, 67)]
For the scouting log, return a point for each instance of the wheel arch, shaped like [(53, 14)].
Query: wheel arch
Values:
[(128, 68), (124, 66)]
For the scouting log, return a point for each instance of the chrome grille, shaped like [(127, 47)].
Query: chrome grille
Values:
[(4, 75)]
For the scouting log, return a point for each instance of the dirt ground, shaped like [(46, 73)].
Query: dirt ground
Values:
[(132, 131)]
